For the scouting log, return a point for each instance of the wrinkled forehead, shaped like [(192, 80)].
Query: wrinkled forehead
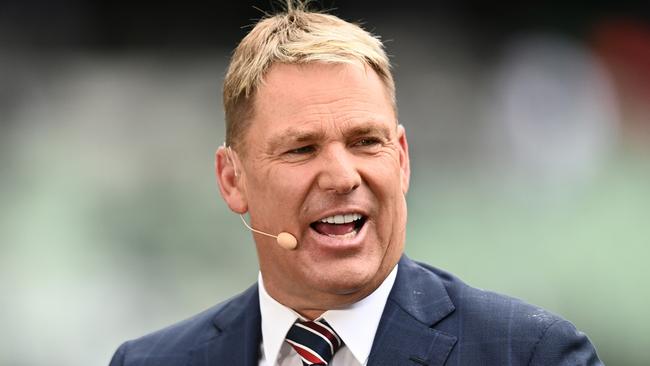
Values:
[(282, 79), (317, 90), (307, 101)]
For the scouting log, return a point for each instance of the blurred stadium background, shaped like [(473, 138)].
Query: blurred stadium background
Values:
[(529, 128)]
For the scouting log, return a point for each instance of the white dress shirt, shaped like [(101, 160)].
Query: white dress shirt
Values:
[(355, 324)]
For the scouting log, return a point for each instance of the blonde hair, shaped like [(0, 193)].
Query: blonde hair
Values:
[(296, 36)]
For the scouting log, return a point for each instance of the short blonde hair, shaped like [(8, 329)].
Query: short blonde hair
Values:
[(296, 36)]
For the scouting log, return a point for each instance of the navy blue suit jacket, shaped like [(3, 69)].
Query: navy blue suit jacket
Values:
[(430, 318)]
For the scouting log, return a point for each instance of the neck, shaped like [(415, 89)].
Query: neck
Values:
[(313, 304), (310, 314)]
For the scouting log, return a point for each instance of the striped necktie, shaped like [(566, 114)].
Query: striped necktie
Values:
[(316, 342)]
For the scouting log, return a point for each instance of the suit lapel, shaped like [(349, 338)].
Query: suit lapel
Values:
[(237, 335), (405, 335)]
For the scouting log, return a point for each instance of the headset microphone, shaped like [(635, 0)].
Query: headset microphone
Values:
[(285, 240)]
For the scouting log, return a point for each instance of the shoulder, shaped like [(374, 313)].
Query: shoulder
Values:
[(505, 329), (491, 309), (487, 310), (173, 343)]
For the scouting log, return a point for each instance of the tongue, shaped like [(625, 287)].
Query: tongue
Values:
[(334, 229)]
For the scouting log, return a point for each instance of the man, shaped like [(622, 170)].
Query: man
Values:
[(314, 154)]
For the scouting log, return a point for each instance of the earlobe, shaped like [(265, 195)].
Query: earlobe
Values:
[(404, 158), (230, 181)]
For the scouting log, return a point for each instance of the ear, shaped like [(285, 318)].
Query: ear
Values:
[(231, 184), (404, 162)]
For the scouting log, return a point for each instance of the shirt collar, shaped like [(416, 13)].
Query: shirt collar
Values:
[(277, 319)]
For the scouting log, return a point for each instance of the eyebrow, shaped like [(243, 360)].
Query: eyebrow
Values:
[(369, 129), (297, 135)]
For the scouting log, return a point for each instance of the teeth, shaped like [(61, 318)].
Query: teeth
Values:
[(341, 219)]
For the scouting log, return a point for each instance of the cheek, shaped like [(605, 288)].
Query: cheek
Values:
[(384, 180), (385, 183), (280, 188)]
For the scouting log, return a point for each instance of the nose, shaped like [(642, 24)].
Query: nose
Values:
[(338, 173)]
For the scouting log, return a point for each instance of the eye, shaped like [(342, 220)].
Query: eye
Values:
[(308, 149), (367, 141)]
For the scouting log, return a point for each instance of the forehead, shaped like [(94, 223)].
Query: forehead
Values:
[(318, 95)]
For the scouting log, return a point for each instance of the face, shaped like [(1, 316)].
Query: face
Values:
[(325, 160)]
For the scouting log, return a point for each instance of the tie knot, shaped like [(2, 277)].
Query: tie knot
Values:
[(316, 342)]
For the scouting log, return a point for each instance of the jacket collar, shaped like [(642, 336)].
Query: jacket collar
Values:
[(406, 335), (236, 337)]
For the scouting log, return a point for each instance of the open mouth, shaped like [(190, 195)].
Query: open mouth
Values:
[(341, 226)]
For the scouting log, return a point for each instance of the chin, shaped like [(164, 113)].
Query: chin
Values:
[(346, 282)]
